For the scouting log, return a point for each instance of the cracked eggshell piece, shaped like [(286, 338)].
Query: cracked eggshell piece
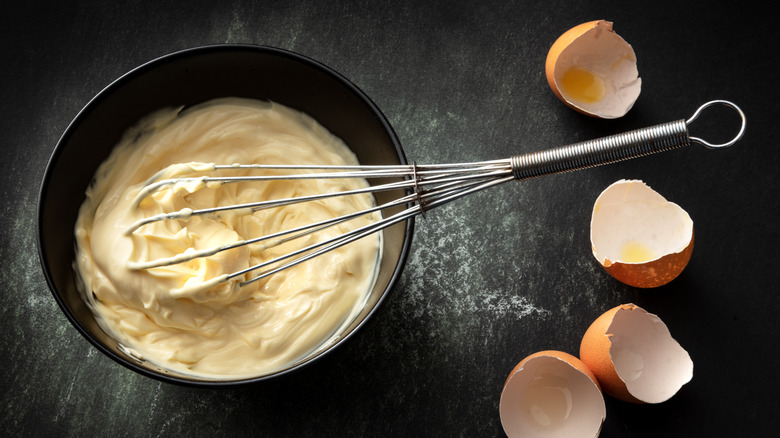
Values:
[(593, 70), (638, 236), (634, 357), (552, 394)]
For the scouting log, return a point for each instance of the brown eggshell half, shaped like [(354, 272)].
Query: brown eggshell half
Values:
[(630, 212), (634, 357), (551, 394), (594, 46)]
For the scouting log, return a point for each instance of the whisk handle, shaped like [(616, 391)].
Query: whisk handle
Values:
[(614, 148), (605, 150)]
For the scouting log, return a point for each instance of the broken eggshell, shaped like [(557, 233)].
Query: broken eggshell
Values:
[(634, 357), (593, 70), (638, 236), (551, 394)]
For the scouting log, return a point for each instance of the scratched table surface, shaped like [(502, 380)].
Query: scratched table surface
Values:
[(491, 278)]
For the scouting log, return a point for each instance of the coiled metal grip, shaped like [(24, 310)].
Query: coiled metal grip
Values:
[(614, 148)]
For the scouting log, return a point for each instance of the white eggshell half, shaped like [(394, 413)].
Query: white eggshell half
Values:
[(647, 359), (545, 396)]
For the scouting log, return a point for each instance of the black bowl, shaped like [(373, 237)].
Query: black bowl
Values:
[(190, 77)]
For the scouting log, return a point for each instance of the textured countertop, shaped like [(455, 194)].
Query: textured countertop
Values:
[(491, 278)]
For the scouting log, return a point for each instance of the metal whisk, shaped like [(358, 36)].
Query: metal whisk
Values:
[(428, 186)]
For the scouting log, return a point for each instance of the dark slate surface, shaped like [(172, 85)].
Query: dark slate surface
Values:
[(491, 278)]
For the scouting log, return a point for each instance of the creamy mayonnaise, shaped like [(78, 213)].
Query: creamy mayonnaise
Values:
[(165, 314)]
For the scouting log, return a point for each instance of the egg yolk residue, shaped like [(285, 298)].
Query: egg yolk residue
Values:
[(582, 85), (635, 252)]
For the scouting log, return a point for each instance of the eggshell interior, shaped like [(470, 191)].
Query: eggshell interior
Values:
[(634, 225), (601, 51), (631, 212), (646, 357), (634, 356), (551, 394)]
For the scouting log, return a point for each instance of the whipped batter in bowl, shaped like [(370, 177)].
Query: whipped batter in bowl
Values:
[(172, 316), (128, 111)]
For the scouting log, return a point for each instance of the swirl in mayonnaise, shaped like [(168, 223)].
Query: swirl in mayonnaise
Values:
[(182, 317)]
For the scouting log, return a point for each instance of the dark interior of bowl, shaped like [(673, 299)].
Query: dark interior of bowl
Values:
[(187, 78)]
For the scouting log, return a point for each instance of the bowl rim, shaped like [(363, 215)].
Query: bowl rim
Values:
[(139, 70)]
